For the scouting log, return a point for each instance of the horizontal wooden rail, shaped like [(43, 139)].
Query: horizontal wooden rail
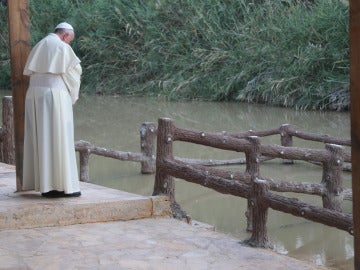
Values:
[(320, 138), (83, 146), (318, 214), (259, 133), (292, 132), (146, 157), (213, 139), (184, 171), (225, 142), (274, 184)]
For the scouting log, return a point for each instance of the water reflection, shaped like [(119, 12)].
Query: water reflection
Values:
[(114, 123)]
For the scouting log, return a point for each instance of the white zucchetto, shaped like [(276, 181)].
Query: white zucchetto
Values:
[(64, 25)]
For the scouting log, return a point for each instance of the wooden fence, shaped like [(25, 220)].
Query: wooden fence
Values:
[(249, 184), (146, 157)]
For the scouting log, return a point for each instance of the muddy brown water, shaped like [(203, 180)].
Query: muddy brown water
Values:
[(114, 122)]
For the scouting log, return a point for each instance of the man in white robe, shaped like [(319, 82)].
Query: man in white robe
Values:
[(49, 164)]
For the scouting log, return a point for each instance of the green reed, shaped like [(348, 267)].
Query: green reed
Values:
[(282, 53)]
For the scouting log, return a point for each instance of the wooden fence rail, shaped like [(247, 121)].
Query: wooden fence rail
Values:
[(286, 130), (146, 157), (250, 184), (231, 141)]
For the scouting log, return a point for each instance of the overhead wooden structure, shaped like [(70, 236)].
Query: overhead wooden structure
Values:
[(355, 121), (19, 43)]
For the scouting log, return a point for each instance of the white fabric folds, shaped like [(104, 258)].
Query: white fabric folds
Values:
[(49, 151)]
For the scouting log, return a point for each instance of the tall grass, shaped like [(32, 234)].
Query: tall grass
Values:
[(4, 51), (283, 53)]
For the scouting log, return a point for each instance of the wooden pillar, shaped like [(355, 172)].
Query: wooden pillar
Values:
[(84, 154), (355, 121), (286, 140), (147, 143), (332, 178), (250, 169), (259, 188), (164, 183), (7, 136), (19, 43)]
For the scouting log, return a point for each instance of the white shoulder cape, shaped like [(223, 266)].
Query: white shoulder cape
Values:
[(51, 55)]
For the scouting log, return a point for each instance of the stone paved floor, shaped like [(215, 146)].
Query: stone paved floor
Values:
[(152, 243), (140, 243)]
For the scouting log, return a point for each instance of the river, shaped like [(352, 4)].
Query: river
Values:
[(114, 122)]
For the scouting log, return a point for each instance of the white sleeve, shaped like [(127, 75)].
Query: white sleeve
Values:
[(72, 79)]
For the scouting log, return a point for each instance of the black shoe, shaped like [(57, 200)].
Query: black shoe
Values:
[(53, 194), (75, 194)]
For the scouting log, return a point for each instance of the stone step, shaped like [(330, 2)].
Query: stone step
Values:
[(19, 210)]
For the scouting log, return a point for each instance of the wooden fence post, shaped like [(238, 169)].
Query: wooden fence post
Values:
[(252, 168), (147, 143), (84, 162), (256, 200), (7, 134), (164, 183), (286, 140), (332, 178)]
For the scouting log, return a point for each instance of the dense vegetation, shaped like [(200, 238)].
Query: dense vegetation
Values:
[(289, 53)]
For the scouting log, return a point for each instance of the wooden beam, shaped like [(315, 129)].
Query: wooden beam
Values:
[(19, 43), (355, 121)]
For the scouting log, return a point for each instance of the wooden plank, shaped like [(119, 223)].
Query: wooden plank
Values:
[(19, 43), (355, 121)]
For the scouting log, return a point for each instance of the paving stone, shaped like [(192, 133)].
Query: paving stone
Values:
[(155, 241)]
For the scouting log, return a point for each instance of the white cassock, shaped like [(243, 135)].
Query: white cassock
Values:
[(49, 153)]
